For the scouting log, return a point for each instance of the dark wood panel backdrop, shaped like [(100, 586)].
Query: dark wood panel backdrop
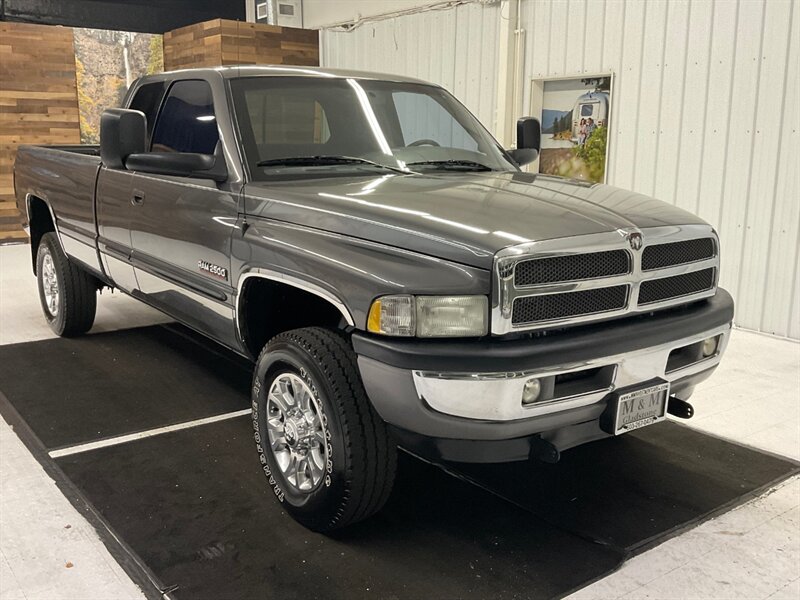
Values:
[(38, 102)]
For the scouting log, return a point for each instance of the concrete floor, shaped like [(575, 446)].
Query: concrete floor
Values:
[(49, 551)]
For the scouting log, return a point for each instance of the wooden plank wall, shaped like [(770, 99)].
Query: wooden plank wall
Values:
[(222, 42), (38, 102)]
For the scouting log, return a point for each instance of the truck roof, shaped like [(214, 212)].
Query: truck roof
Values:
[(236, 71)]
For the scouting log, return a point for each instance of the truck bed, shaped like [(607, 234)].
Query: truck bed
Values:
[(64, 177)]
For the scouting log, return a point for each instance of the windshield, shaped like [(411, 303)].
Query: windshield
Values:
[(302, 126)]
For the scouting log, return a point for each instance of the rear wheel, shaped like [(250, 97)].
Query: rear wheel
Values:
[(68, 293), (326, 453)]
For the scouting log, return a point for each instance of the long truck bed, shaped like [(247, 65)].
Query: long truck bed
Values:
[(68, 176)]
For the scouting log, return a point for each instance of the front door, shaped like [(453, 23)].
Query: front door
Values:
[(182, 227)]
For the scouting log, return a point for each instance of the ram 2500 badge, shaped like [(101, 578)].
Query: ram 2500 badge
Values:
[(395, 276)]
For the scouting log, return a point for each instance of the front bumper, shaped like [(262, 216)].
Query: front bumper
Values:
[(461, 400)]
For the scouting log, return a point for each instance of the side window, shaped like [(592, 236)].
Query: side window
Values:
[(187, 122), (147, 99), (421, 117)]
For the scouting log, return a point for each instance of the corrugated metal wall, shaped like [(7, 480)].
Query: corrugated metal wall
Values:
[(702, 110), (455, 48)]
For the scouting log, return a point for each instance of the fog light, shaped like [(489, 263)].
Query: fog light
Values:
[(710, 346), (531, 391)]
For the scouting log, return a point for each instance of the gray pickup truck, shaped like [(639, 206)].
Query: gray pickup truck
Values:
[(395, 276)]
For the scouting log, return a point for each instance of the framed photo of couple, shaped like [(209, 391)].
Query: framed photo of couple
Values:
[(574, 112)]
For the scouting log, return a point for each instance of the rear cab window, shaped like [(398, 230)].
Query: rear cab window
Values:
[(286, 116)]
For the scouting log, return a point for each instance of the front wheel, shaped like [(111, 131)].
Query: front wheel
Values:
[(326, 453), (68, 293)]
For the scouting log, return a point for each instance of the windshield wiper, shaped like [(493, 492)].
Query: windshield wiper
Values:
[(320, 161), (456, 165)]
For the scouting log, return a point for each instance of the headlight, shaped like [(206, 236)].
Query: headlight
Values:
[(429, 316), (451, 316)]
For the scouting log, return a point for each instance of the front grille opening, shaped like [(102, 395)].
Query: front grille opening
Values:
[(548, 307), (577, 383), (661, 256), (666, 288), (572, 267)]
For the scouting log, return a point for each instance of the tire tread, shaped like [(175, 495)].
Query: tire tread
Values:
[(371, 455), (78, 289)]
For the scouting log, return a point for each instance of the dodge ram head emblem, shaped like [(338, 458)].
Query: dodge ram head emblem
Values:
[(635, 240)]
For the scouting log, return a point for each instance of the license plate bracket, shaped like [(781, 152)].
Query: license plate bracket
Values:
[(635, 408)]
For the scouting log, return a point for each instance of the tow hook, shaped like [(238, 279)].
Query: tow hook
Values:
[(544, 451), (680, 408)]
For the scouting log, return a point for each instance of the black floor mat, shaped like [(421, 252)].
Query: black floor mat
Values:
[(626, 491), (71, 391), (194, 506)]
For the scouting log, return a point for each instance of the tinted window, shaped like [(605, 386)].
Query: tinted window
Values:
[(187, 122), (587, 110), (147, 99)]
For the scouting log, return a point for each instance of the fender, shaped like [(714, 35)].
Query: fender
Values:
[(292, 281), (29, 230), (46, 202)]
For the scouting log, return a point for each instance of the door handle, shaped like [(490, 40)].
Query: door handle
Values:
[(137, 199)]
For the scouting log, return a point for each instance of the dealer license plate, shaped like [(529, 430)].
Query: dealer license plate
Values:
[(640, 408)]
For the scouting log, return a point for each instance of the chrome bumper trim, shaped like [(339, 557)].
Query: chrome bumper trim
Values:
[(498, 396)]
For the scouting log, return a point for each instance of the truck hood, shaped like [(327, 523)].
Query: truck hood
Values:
[(462, 217)]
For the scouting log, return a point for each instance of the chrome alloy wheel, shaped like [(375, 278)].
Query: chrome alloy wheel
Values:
[(297, 432), (50, 283)]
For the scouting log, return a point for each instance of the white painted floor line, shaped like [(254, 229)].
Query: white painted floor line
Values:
[(131, 437)]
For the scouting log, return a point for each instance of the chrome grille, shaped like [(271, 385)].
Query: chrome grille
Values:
[(565, 281), (533, 309), (659, 256), (572, 267), (677, 286)]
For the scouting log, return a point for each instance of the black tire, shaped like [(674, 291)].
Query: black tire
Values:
[(362, 458), (74, 310)]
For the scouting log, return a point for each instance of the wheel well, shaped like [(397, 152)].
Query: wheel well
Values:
[(267, 308), (40, 221)]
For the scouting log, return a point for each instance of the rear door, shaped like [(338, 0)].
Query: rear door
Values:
[(113, 220), (182, 227)]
